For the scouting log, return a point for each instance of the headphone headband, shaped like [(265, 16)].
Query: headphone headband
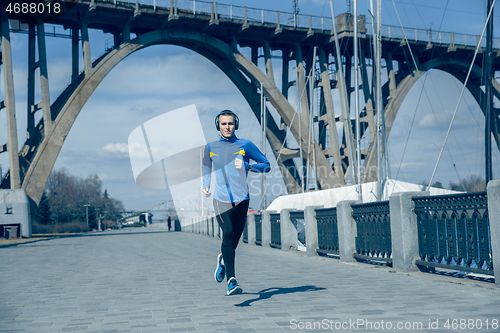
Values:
[(227, 113)]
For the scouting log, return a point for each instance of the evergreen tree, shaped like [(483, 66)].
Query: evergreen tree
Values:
[(43, 214)]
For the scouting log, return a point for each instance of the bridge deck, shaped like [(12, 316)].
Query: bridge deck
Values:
[(155, 281)]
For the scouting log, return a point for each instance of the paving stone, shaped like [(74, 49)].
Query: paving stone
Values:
[(143, 280)]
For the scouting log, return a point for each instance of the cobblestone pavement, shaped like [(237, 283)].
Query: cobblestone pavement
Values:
[(146, 280)]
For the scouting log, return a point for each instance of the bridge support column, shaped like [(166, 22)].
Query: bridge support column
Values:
[(289, 237), (390, 75), (30, 132), (301, 90), (9, 104), (404, 231), (269, 64), (345, 91), (44, 79), (87, 61), (347, 230), (251, 233), (74, 55), (367, 174), (285, 83), (311, 230), (255, 55), (494, 217), (330, 113)]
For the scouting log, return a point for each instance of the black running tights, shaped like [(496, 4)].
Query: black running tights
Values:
[(231, 219)]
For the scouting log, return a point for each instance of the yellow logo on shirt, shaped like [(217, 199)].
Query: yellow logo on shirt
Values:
[(242, 152)]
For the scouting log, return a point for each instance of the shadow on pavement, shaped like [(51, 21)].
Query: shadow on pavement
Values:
[(270, 292), (465, 275)]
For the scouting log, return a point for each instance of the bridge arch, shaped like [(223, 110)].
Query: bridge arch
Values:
[(455, 67), (229, 60)]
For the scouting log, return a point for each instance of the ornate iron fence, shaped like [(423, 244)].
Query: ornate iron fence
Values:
[(258, 229), (328, 235), (297, 219), (373, 225), (275, 231), (454, 232)]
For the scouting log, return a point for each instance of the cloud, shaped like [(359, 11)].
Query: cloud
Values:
[(173, 75), (121, 148)]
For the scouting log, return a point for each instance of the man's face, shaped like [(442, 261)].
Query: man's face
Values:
[(226, 125)]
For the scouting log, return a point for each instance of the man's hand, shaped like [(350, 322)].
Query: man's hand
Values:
[(238, 163), (206, 192)]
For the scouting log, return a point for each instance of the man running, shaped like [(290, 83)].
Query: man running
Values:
[(230, 158)]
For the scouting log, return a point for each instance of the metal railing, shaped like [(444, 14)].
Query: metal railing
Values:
[(328, 236), (454, 232), (373, 225), (258, 229), (275, 231), (261, 16), (297, 219)]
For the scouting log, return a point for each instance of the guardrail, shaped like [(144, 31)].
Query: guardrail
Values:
[(410, 231), (328, 236), (373, 226), (297, 219), (453, 232), (249, 15), (275, 231)]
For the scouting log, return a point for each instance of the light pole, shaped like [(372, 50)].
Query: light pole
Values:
[(98, 220), (105, 224), (87, 214)]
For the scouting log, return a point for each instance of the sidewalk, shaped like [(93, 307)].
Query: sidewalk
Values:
[(147, 280)]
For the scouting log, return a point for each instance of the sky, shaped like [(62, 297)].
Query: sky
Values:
[(163, 78)]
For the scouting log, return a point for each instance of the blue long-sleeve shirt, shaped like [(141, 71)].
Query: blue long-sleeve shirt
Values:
[(231, 183)]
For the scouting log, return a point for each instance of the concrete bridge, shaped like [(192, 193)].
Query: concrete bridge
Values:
[(220, 33)]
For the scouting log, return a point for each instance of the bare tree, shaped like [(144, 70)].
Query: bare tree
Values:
[(67, 196), (472, 183)]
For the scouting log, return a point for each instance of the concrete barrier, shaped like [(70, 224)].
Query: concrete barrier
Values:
[(494, 217), (404, 230), (266, 227), (289, 238), (347, 230), (251, 233), (15, 212), (311, 230)]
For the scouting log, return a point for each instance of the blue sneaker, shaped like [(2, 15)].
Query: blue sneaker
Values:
[(233, 288), (220, 270)]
